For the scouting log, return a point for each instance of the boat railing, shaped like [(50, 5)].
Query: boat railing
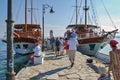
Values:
[(29, 34), (88, 35)]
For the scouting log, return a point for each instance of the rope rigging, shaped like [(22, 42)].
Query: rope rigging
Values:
[(77, 12), (89, 18), (18, 10), (94, 14), (108, 15), (72, 17), (81, 17)]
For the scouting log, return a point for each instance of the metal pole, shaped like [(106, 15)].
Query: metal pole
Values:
[(86, 8), (10, 75), (25, 16), (43, 11), (31, 11), (76, 13)]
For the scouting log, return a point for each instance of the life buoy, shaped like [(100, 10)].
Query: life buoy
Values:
[(36, 33)]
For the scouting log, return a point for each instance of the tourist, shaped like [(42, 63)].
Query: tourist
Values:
[(66, 46), (37, 52), (73, 34), (48, 44), (67, 34), (61, 46), (114, 66), (53, 43), (102, 72), (57, 44), (72, 42)]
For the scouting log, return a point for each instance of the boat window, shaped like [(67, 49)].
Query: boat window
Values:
[(17, 46), (25, 46), (92, 46)]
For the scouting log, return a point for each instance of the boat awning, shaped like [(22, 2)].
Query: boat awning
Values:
[(81, 26), (21, 26)]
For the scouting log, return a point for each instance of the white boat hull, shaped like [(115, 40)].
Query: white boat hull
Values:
[(91, 48), (23, 47), (103, 57)]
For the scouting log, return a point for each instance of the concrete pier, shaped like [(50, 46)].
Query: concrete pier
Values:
[(58, 69)]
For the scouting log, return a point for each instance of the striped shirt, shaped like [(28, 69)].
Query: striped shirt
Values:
[(115, 62)]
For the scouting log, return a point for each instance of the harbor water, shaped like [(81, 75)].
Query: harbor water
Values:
[(19, 61), (103, 54), (2, 60), (107, 48)]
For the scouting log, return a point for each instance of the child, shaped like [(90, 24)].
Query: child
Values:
[(102, 72)]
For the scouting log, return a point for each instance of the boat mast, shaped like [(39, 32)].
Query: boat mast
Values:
[(76, 13), (85, 8), (31, 11), (25, 15)]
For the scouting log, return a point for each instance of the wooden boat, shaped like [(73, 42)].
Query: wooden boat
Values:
[(24, 41), (90, 36), (26, 35)]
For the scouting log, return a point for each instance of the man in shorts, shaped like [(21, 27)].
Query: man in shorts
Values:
[(72, 42)]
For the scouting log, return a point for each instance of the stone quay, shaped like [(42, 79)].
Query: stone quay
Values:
[(57, 68)]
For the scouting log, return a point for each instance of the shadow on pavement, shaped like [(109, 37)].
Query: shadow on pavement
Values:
[(41, 75)]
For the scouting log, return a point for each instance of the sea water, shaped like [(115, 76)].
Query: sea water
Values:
[(19, 61), (103, 54), (107, 48), (2, 60)]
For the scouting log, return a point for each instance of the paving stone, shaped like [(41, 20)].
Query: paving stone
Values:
[(73, 76), (62, 73), (56, 69), (53, 77)]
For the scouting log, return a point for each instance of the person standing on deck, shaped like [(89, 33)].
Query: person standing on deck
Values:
[(72, 42), (114, 60), (73, 34)]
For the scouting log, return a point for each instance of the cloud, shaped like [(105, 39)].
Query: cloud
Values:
[(107, 24)]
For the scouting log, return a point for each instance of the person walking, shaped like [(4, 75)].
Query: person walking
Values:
[(57, 44), (61, 46), (114, 60), (66, 46), (53, 44), (72, 42), (48, 44)]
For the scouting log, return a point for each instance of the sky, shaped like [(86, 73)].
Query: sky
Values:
[(59, 20)]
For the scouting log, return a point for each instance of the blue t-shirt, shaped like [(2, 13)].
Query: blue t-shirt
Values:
[(57, 43), (73, 35)]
